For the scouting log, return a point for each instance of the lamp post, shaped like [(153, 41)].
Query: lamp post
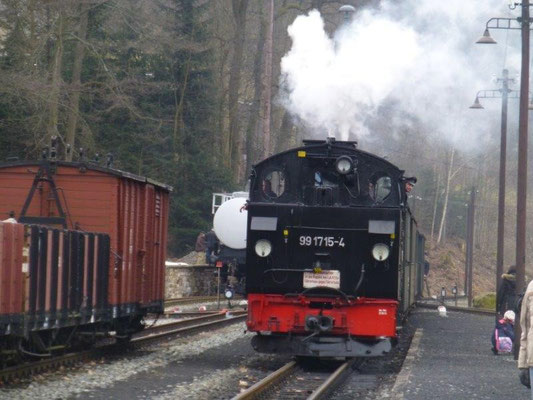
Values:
[(504, 94), (522, 24)]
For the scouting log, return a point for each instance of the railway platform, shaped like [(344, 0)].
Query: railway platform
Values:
[(450, 358)]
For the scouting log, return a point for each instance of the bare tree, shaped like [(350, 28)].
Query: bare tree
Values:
[(266, 84), (239, 8), (446, 194), (74, 106), (435, 201), (55, 77)]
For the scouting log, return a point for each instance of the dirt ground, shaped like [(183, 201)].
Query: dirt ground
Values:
[(447, 268)]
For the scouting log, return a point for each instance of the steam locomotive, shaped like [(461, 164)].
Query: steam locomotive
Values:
[(334, 259)]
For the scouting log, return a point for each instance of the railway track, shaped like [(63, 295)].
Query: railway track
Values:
[(196, 299), (187, 326), (145, 337), (296, 381)]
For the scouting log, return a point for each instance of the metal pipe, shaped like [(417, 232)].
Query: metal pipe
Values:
[(361, 277)]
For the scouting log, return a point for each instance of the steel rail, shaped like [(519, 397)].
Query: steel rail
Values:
[(275, 378), (335, 378), (186, 314), (193, 299), (187, 326), (188, 300), (188, 321), (266, 383)]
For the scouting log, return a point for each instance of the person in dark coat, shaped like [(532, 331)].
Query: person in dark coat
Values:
[(201, 245), (211, 241), (506, 294)]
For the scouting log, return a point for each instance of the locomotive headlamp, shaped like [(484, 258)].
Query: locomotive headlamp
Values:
[(343, 165), (380, 252), (263, 248)]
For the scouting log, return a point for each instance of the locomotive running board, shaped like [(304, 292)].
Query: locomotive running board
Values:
[(319, 346)]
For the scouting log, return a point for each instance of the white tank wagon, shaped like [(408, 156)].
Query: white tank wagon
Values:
[(229, 225)]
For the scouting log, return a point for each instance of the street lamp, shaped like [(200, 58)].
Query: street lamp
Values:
[(477, 104), (523, 24), (486, 38), (502, 93)]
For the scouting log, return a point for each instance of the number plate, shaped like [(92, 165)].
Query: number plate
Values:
[(329, 278), (321, 241)]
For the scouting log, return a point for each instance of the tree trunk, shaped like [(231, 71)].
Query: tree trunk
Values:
[(285, 132), (435, 203), (239, 19), (266, 85), (252, 129), (446, 196), (55, 90), (179, 99), (79, 54)]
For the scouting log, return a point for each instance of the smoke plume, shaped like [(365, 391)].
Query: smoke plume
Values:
[(421, 55)]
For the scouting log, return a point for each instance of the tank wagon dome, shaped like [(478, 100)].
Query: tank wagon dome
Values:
[(230, 223)]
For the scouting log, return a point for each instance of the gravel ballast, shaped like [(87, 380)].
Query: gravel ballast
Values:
[(81, 381)]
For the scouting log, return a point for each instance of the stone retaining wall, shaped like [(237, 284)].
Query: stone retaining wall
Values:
[(190, 280)]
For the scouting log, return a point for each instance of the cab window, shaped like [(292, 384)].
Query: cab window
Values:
[(273, 184), (380, 188)]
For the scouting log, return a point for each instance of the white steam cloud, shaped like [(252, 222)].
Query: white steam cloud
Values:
[(420, 54)]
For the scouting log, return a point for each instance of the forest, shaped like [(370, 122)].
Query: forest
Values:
[(192, 93)]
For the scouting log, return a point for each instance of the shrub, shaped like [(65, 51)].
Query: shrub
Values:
[(486, 301)]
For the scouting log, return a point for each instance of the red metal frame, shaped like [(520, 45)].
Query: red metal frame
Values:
[(363, 317)]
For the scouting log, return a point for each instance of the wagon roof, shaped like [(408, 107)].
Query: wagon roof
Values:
[(90, 166)]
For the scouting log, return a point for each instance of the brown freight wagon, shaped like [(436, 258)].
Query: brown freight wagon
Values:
[(89, 246)]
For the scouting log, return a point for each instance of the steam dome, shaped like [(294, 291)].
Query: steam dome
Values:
[(230, 223)]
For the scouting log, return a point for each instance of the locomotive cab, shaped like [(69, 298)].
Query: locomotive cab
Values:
[(326, 252)]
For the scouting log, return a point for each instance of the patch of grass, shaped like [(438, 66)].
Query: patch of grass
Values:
[(447, 260), (487, 301)]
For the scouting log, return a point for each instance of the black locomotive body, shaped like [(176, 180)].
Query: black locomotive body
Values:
[(334, 258)]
